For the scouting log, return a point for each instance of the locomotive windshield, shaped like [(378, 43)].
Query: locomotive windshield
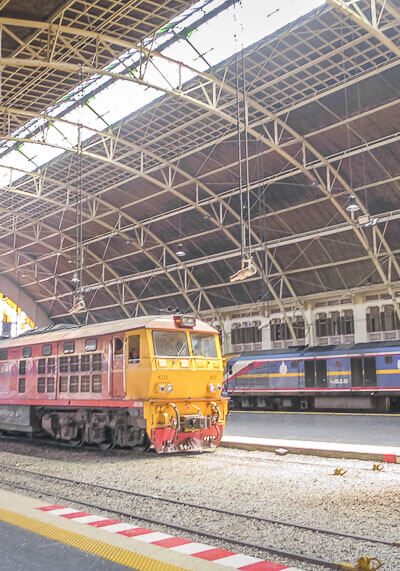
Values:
[(170, 344), (204, 346)]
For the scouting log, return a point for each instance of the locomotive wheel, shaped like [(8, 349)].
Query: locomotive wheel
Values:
[(106, 445)]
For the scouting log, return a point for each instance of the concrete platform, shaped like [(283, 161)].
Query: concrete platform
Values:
[(344, 427), (325, 449), (37, 536)]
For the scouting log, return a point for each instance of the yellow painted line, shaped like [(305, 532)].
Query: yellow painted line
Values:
[(316, 413), (95, 547), (388, 371), (338, 373)]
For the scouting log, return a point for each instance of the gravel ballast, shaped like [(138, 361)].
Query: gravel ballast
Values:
[(295, 489)]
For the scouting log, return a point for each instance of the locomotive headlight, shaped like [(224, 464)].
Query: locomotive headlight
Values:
[(212, 388), (169, 388), (219, 387), (161, 388)]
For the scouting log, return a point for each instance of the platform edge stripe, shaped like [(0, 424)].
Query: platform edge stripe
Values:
[(214, 554), (240, 561), (153, 536), (390, 458), (86, 519), (118, 527), (119, 555), (64, 511), (192, 548), (49, 508)]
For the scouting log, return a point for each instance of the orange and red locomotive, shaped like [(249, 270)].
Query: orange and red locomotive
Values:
[(147, 380)]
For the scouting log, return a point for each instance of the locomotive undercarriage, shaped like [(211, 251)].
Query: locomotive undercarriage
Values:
[(104, 427)]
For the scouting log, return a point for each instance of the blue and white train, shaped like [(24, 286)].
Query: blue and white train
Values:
[(364, 376)]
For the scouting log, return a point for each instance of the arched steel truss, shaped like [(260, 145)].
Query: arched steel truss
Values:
[(209, 91)]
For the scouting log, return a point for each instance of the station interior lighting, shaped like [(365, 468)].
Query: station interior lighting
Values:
[(180, 252), (352, 205), (247, 270)]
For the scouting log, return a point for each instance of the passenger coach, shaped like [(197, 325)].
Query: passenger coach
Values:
[(146, 380), (364, 376)]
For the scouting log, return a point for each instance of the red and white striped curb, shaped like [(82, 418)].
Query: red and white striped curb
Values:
[(178, 544)]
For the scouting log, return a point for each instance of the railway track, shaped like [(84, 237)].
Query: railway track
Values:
[(246, 519)]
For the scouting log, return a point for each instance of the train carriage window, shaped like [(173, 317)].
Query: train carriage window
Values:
[(63, 384), (3, 354), (118, 346), (90, 344), (74, 364), (50, 385), (388, 359), (85, 362), (64, 364), (46, 350), (69, 346), (134, 348), (27, 352), (74, 384), (96, 362), (96, 383), (21, 385), (22, 368), (51, 365), (42, 366), (41, 385), (85, 384)]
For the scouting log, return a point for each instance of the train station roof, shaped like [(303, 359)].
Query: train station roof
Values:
[(159, 200)]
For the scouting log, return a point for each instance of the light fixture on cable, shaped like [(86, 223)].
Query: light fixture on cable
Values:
[(248, 270), (352, 205), (180, 252), (75, 278)]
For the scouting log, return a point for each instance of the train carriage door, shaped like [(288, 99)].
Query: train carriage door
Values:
[(370, 371), (356, 372), (321, 373), (117, 368), (309, 373)]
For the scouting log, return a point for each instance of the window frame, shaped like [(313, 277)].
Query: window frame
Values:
[(44, 352), (68, 351), (27, 352), (87, 346), (3, 354)]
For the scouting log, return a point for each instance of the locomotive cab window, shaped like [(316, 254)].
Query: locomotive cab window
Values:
[(204, 346), (27, 352), (170, 344), (134, 349), (69, 346), (46, 350), (3, 354)]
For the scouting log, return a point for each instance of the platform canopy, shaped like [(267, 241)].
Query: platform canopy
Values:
[(158, 192)]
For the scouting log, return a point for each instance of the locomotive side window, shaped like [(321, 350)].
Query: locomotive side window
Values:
[(27, 352), (118, 346), (96, 362), (42, 366), (85, 384), (134, 349), (51, 365), (21, 385), (3, 354), (96, 383), (69, 346), (388, 360), (73, 384), (46, 350), (50, 384), (90, 344), (85, 363), (41, 385), (22, 367), (63, 387)]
